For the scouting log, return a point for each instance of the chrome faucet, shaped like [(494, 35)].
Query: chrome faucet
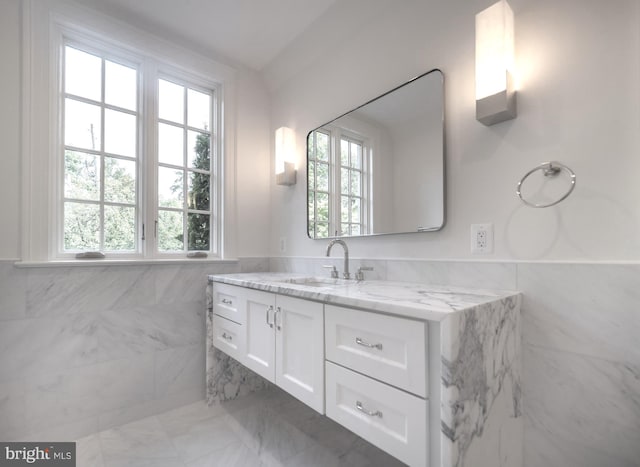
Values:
[(345, 274)]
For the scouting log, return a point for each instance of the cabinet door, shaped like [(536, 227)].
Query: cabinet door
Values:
[(300, 350), (259, 332)]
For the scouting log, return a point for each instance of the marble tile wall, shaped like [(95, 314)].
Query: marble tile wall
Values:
[(86, 348), (582, 364), (581, 349)]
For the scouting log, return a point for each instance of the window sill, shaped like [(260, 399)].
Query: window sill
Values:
[(120, 262)]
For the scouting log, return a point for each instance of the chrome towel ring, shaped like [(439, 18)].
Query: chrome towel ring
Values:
[(549, 169)]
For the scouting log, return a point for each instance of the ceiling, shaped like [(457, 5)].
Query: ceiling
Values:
[(249, 32)]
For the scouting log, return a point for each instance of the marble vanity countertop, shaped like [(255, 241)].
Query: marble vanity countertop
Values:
[(412, 300)]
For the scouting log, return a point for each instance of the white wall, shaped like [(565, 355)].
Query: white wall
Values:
[(253, 181), (578, 103), (9, 127)]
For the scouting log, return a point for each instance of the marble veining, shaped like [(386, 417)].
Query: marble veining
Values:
[(480, 395), (481, 364), (412, 300), (226, 379)]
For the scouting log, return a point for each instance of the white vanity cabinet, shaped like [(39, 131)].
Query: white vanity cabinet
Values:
[(429, 374), (376, 378), (282, 339)]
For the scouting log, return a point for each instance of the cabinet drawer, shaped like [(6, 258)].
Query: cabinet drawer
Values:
[(227, 302), (387, 348), (229, 337), (385, 416)]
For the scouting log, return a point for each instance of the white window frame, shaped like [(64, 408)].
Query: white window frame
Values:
[(108, 52), (187, 80), (45, 24)]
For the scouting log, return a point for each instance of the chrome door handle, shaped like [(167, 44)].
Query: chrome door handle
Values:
[(227, 337), (359, 406), (269, 322), (366, 344), (278, 324), (227, 302)]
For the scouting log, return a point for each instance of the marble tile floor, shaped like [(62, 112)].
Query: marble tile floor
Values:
[(269, 428)]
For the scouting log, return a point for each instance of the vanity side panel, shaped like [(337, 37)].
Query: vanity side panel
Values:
[(481, 409), (226, 378)]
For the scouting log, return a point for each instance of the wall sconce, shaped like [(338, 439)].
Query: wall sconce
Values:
[(495, 93), (285, 156)]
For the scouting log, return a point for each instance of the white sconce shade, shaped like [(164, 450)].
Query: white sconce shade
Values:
[(285, 156), (495, 93)]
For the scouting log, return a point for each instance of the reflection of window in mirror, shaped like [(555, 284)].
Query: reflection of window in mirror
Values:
[(339, 179)]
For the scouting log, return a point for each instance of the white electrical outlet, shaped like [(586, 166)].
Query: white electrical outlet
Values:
[(283, 244), (481, 238)]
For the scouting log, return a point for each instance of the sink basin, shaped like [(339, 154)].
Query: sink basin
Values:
[(316, 281)]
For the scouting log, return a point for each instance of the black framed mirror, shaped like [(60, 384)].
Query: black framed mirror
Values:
[(379, 169)]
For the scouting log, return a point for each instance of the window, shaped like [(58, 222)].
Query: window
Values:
[(337, 169), (130, 163), (122, 131), (319, 181), (351, 186), (184, 166), (101, 121)]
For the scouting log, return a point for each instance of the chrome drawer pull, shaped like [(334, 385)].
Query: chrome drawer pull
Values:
[(359, 406), (267, 318), (227, 302), (227, 337), (275, 319), (366, 344)]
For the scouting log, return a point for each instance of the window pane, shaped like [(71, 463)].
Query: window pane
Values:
[(356, 155), (82, 125), (344, 181), (322, 207), (198, 230), (119, 180), (198, 109), (312, 175), (119, 228), (171, 101), (198, 191), (355, 183), (355, 210), (121, 86), (311, 206), (170, 231), (198, 150), (355, 229), (344, 208), (323, 230), (81, 176), (344, 152), (170, 188), (323, 177), (81, 226), (120, 133), (170, 144), (82, 74), (344, 229), (322, 147)]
